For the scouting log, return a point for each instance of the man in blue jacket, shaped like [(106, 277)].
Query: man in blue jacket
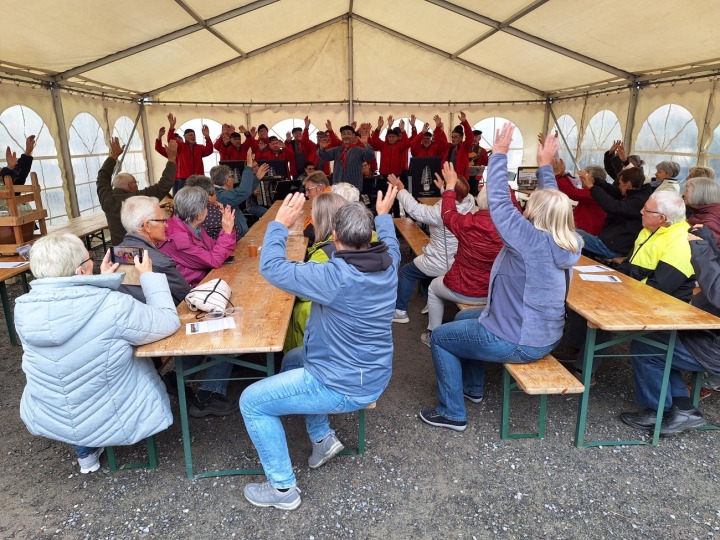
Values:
[(345, 361)]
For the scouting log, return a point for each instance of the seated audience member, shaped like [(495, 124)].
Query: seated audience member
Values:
[(525, 314), (145, 222), (307, 171), (84, 385), (666, 177), (695, 350), (252, 206), (193, 251), (622, 204), (213, 221), (616, 159), (325, 206), (468, 279), (438, 255), (345, 362), (315, 184), (124, 186), (588, 214), (347, 191), (701, 172), (702, 197), (19, 169)]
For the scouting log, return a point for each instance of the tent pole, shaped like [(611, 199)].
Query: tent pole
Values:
[(546, 118), (71, 193), (351, 97), (118, 165), (147, 144), (630, 122), (706, 129)]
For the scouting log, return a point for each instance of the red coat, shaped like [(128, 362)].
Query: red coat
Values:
[(393, 157), (707, 215), (434, 150), (588, 214), (286, 153), (478, 245), (189, 158), (231, 152), (311, 154), (462, 159)]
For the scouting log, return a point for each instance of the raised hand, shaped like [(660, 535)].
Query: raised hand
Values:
[(205, 131), (390, 121), (307, 122), (402, 125), (115, 148), (29, 145), (253, 132), (250, 158), (412, 119), (242, 129), (395, 181), (145, 265), (290, 209), (171, 150), (328, 125), (262, 171), (381, 123), (503, 138), (228, 220), (106, 267), (11, 158), (353, 124), (621, 153), (546, 151), (449, 175), (426, 127), (438, 121), (172, 121), (462, 117), (161, 133), (384, 203)]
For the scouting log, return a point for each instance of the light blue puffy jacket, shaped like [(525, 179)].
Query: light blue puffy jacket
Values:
[(84, 386)]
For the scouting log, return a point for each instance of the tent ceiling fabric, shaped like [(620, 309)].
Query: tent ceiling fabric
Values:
[(452, 49)]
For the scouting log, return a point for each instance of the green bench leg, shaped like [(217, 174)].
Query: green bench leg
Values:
[(361, 437), (697, 380), (510, 386), (152, 462)]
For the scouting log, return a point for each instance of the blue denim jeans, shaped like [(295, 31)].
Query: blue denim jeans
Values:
[(223, 370), (83, 451), (459, 350), (293, 391), (648, 371), (409, 275), (593, 244)]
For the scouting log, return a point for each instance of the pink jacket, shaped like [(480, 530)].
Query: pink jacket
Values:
[(195, 257)]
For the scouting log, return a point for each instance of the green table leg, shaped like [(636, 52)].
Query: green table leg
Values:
[(182, 401), (664, 387), (9, 320), (585, 396)]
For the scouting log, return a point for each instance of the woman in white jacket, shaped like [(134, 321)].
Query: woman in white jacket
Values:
[(84, 386), (438, 255)]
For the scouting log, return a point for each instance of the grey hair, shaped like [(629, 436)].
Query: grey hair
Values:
[(56, 255), (123, 180), (318, 178), (482, 200), (669, 167), (704, 191), (190, 202), (704, 172), (201, 181), (353, 226), (598, 173), (136, 211), (324, 208), (220, 173), (670, 204), (347, 191)]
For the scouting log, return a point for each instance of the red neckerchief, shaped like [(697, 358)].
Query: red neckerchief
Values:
[(343, 157)]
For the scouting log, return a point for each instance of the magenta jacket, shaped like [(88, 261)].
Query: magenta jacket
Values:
[(194, 257)]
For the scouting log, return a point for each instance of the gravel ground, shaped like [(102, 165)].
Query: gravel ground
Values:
[(414, 481)]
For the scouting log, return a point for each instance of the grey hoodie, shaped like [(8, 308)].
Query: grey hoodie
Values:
[(526, 296)]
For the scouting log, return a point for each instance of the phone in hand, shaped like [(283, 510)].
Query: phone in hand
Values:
[(125, 254)]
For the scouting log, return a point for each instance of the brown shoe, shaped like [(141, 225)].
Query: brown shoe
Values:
[(579, 377)]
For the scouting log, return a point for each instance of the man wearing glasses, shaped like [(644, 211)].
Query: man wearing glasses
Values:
[(315, 183), (123, 186)]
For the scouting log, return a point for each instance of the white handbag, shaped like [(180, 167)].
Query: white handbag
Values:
[(213, 295)]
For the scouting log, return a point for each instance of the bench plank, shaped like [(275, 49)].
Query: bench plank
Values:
[(545, 376), (412, 234)]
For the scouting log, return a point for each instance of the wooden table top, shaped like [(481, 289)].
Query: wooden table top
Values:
[(429, 200), (412, 234), (81, 226), (7, 273), (632, 306), (266, 310), (257, 231)]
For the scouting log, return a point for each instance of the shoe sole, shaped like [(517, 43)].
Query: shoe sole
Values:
[(282, 506), (196, 413), (401, 321), (335, 449), (436, 424), (636, 425), (473, 399), (695, 424), (93, 469)]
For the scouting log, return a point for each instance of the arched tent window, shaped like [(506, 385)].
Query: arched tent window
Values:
[(488, 128), (16, 124), (669, 134), (602, 130), (215, 130), (567, 138), (283, 127), (134, 160), (88, 151), (713, 154)]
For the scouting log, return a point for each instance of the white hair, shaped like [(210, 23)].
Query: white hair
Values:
[(670, 204), (123, 180), (136, 211), (56, 255), (347, 191)]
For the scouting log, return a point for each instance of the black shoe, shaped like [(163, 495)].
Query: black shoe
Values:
[(431, 416), (644, 419), (215, 405), (677, 420)]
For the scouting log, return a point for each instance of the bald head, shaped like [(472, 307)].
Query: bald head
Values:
[(125, 181)]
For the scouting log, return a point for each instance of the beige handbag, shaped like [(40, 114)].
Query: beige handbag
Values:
[(213, 295)]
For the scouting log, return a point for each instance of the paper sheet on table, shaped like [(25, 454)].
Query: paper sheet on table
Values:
[(213, 325), (605, 278), (13, 264), (593, 268)]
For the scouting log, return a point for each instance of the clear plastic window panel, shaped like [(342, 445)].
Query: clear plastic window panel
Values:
[(602, 130), (515, 154), (215, 130)]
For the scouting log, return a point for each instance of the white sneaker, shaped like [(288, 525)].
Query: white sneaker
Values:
[(401, 317), (91, 462), (424, 310)]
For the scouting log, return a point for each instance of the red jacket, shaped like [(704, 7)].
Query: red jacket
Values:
[(391, 155), (434, 150), (231, 152), (286, 153), (478, 245), (707, 215), (189, 158), (462, 157), (311, 154), (588, 214)]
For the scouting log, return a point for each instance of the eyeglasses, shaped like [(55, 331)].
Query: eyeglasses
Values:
[(229, 312), (309, 189), (645, 209), (163, 221), (86, 260)]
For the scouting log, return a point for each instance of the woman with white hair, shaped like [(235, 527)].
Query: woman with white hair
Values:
[(145, 223), (347, 191), (84, 386), (188, 244), (525, 313), (702, 197)]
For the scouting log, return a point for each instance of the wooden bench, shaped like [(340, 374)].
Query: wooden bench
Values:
[(361, 432), (542, 377), (413, 235)]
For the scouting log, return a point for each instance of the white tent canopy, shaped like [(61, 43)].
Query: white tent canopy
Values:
[(531, 62)]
